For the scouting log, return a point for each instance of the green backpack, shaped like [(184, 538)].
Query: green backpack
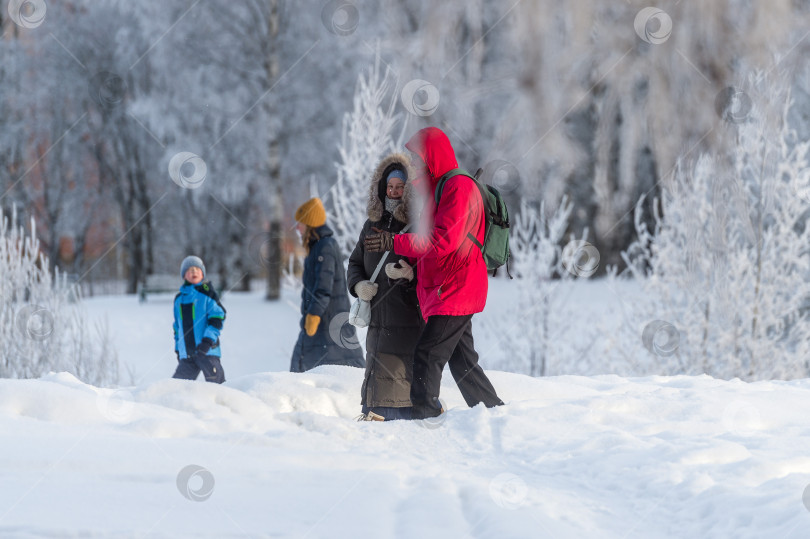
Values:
[(496, 226)]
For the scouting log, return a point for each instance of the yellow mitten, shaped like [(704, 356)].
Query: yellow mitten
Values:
[(311, 324)]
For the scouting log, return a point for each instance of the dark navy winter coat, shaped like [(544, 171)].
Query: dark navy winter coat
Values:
[(325, 295), (198, 314)]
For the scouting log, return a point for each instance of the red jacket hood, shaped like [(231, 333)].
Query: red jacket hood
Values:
[(433, 146), (452, 273)]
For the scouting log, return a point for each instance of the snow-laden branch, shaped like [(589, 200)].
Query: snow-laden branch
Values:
[(729, 264), (43, 327), (365, 138)]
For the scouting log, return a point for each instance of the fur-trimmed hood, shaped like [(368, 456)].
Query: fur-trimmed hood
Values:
[(376, 191)]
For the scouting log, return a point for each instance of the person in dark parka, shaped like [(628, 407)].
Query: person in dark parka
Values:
[(395, 319), (324, 338)]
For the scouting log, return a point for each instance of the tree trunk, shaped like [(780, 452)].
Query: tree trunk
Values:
[(273, 262), (274, 246)]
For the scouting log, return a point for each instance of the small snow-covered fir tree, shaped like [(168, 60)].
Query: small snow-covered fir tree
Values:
[(43, 327), (526, 337), (365, 138), (727, 267)]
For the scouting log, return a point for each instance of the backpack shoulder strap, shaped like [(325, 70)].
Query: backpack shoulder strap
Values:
[(447, 176), (462, 172)]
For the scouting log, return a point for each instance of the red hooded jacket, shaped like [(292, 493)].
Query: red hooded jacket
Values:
[(452, 274)]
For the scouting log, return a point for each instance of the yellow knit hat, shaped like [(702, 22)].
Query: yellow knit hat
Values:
[(311, 213)]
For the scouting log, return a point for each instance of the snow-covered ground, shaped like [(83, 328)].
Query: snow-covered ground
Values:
[(274, 454)]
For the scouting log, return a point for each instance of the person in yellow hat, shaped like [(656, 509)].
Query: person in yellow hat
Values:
[(326, 337)]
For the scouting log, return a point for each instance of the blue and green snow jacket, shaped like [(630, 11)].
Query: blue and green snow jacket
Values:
[(198, 315)]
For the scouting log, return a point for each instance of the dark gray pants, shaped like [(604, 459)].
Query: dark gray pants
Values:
[(448, 340), (189, 369)]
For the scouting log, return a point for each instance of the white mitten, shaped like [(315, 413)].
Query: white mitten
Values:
[(404, 272), (366, 290)]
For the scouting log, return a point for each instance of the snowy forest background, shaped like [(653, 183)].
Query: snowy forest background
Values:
[(665, 144)]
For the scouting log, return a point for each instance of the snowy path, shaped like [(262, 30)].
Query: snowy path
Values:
[(567, 457)]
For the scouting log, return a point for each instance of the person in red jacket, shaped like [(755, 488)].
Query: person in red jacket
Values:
[(452, 283)]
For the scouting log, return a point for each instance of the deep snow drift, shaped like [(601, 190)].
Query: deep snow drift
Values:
[(278, 454)]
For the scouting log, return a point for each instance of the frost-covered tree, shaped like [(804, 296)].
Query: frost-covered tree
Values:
[(529, 341), (11, 116), (568, 93), (84, 140), (220, 103), (366, 137), (573, 96), (727, 265), (46, 154), (43, 326)]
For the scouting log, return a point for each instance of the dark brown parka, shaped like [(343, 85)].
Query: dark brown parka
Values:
[(395, 318)]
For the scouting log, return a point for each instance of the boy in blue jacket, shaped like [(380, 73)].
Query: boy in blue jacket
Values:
[(198, 319)]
